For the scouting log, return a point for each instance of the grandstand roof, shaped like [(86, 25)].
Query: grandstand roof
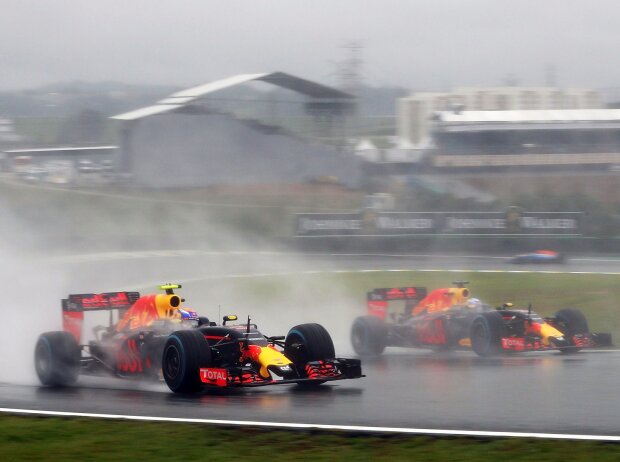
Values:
[(548, 115), (453, 121), (184, 97), (68, 149)]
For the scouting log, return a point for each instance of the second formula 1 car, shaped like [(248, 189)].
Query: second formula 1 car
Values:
[(449, 318), (538, 257), (155, 337)]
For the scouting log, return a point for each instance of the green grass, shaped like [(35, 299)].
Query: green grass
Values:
[(76, 439)]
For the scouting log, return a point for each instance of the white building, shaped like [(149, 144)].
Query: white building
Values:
[(414, 112)]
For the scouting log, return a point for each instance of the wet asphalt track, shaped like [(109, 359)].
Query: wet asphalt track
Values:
[(541, 392), (538, 392)]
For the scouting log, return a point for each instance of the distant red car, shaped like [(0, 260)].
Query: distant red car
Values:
[(448, 318)]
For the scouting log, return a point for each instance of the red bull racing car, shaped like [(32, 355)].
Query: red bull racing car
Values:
[(448, 318), (155, 337)]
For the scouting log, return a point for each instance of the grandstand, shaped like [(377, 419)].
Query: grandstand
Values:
[(415, 111), (527, 139)]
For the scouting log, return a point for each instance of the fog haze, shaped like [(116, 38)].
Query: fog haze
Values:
[(413, 44)]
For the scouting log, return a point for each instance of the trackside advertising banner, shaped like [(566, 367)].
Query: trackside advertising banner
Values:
[(370, 223), (328, 224)]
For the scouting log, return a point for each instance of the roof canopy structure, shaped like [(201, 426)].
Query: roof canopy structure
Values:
[(62, 150), (183, 98), (454, 121)]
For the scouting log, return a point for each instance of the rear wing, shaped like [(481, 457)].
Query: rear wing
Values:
[(97, 302), (74, 306), (377, 300)]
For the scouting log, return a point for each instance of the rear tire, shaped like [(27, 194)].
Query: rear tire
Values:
[(369, 335), (308, 342), (57, 359), (486, 333), (571, 322), (185, 352)]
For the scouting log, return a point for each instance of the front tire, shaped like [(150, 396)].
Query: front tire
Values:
[(185, 352), (486, 333), (571, 322), (369, 336), (308, 342), (57, 359)]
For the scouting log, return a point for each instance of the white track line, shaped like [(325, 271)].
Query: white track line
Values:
[(150, 284), (145, 254), (319, 272), (301, 426)]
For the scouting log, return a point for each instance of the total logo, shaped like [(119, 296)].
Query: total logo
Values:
[(513, 343), (215, 376)]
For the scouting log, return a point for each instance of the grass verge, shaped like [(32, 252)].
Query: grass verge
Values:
[(49, 438)]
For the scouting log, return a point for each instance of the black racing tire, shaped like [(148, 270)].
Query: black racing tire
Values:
[(570, 322), (308, 342), (185, 352), (369, 335), (486, 333), (57, 359)]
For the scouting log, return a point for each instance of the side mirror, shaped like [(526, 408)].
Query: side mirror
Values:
[(230, 317)]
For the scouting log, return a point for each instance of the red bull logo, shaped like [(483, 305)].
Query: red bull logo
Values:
[(97, 300), (141, 314), (119, 298), (441, 299)]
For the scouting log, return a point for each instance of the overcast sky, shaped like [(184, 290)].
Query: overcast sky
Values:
[(416, 44)]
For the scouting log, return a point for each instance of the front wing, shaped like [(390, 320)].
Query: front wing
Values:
[(579, 341), (316, 371)]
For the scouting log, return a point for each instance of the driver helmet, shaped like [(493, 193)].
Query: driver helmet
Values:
[(186, 314), (474, 304)]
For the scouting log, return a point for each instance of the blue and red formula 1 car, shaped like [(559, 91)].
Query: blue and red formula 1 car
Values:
[(538, 257), (155, 336), (449, 318)]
